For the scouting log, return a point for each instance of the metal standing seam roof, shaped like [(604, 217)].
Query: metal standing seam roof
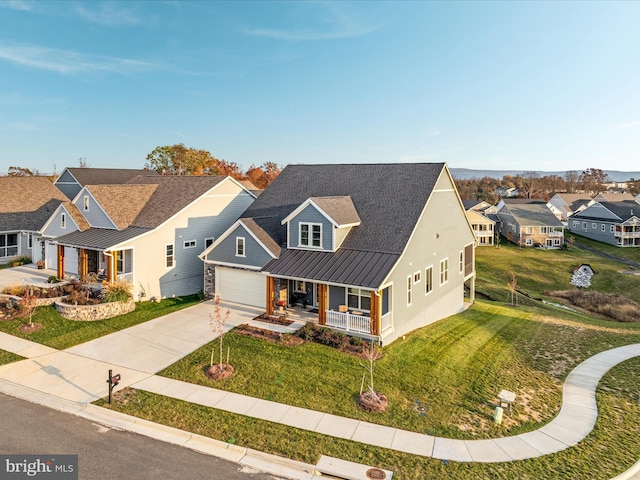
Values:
[(343, 267), (99, 238)]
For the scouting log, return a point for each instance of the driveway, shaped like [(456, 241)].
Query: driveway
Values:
[(25, 275)]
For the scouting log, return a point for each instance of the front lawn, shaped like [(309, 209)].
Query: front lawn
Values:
[(8, 357), (60, 333)]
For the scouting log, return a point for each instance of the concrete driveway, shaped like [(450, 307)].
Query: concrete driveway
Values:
[(25, 275)]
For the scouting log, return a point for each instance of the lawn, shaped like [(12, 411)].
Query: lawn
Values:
[(8, 357), (60, 333), (628, 253)]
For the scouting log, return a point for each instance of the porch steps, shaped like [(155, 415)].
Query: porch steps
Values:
[(336, 468)]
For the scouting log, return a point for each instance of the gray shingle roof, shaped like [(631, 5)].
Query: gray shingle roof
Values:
[(624, 210), (532, 213), (26, 203), (122, 203), (340, 209), (261, 235), (107, 176), (172, 195), (389, 199)]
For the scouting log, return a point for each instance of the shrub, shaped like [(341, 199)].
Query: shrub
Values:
[(24, 260), (308, 332), (116, 291), (52, 279), (355, 341)]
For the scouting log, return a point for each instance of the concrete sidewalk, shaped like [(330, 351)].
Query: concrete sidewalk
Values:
[(78, 375)]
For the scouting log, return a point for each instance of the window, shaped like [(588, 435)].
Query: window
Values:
[(428, 280), (417, 277), (576, 224), (528, 230), (529, 241), (240, 247), (189, 244), (208, 242), (63, 220), (120, 262), (594, 225), (584, 225), (461, 261), (611, 228), (444, 271), (310, 235), (409, 287), (358, 299), (8, 244), (544, 229), (86, 203), (603, 228), (30, 241), (556, 241), (299, 286), (168, 256)]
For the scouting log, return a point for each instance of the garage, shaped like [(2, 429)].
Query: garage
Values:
[(241, 286)]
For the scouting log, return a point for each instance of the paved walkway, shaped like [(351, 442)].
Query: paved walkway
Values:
[(79, 375)]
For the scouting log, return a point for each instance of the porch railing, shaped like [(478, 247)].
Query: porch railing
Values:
[(125, 277), (348, 321)]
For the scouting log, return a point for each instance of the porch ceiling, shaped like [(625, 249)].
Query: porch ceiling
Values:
[(345, 266)]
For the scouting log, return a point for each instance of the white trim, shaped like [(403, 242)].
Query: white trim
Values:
[(409, 292), (311, 225), (85, 191), (430, 278), (166, 256), (310, 202), (234, 265), (63, 221), (228, 232), (445, 271), (184, 244), (85, 203), (244, 247), (213, 239), (461, 261)]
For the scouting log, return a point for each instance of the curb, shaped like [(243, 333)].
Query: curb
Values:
[(265, 462)]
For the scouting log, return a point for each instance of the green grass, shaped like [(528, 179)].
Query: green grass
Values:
[(628, 253), (611, 448), (8, 357), (538, 271), (60, 333)]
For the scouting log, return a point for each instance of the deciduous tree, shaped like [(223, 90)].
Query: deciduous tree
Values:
[(592, 180)]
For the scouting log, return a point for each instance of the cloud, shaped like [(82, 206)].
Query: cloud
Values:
[(68, 62), (434, 132), (109, 14), (339, 24), (629, 125), (18, 5)]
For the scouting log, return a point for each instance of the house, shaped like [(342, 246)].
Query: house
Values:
[(563, 205), (507, 192), (615, 223), (483, 226), (529, 223), (613, 197), (149, 231), (26, 203), (376, 250), (71, 180)]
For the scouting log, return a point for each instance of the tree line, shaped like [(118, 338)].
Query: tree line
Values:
[(531, 185)]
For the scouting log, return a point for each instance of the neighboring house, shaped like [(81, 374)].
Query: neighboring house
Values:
[(483, 226), (507, 192), (613, 197), (26, 203), (530, 223), (615, 223), (149, 232), (376, 250), (71, 180), (563, 205)]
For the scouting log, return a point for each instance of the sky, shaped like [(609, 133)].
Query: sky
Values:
[(546, 86)]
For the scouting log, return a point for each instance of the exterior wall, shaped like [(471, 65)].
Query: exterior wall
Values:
[(96, 216), (510, 227), (337, 297), (340, 234), (54, 226), (310, 215), (442, 232), (225, 252), (209, 216), (593, 229), (91, 313), (68, 185)]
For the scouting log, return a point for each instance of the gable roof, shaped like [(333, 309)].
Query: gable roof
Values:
[(262, 236), (531, 213), (338, 210), (173, 193), (26, 203), (106, 176), (122, 202), (624, 210), (613, 197), (76, 215), (389, 199)]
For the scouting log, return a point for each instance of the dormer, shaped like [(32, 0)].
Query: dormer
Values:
[(321, 223)]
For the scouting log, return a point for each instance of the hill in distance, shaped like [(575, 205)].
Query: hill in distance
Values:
[(468, 173)]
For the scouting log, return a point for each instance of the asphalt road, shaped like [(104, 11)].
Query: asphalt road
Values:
[(103, 453)]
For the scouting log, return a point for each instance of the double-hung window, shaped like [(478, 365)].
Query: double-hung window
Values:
[(240, 247), (409, 290), (428, 280), (310, 235), (168, 255), (444, 271), (358, 299)]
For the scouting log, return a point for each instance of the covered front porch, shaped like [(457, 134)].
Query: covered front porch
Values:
[(109, 266), (353, 310)]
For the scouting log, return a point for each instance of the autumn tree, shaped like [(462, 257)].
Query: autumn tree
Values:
[(633, 187), (21, 172), (181, 160), (572, 179), (263, 175), (592, 180), (529, 184)]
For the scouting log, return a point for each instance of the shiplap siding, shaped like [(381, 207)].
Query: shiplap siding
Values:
[(310, 215), (96, 216), (225, 251)]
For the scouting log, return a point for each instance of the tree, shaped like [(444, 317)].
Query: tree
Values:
[(529, 184), (21, 172), (592, 180), (82, 162), (571, 178), (216, 321), (262, 176), (633, 186), (181, 160)]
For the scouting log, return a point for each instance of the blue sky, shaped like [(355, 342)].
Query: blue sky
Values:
[(491, 85)]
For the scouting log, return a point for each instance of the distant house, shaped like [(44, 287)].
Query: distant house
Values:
[(613, 197), (566, 204), (71, 180), (148, 232), (376, 250), (530, 223), (615, 223), (483, 226), (26, 203), (507, 192)]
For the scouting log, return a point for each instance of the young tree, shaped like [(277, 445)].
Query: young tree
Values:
[(27, 307), (217, 320), (21, 172), (371, 400)]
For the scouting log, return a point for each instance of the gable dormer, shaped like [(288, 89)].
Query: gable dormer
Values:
[(321, 223)]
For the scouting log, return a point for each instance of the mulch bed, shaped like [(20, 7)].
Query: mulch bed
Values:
[(367, 401), (274, 319), (30, 327), (268, 335), (219, 371)]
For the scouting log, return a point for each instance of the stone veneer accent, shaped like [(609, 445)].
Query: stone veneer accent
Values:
[(90, 313)]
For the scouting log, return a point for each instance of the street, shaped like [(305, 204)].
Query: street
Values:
[(104, 453)]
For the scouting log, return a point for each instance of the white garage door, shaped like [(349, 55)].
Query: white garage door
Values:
[(51, 256), (71, 260), (241, 286)]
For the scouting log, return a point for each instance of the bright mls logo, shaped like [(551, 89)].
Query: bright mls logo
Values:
[(50, 467)]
